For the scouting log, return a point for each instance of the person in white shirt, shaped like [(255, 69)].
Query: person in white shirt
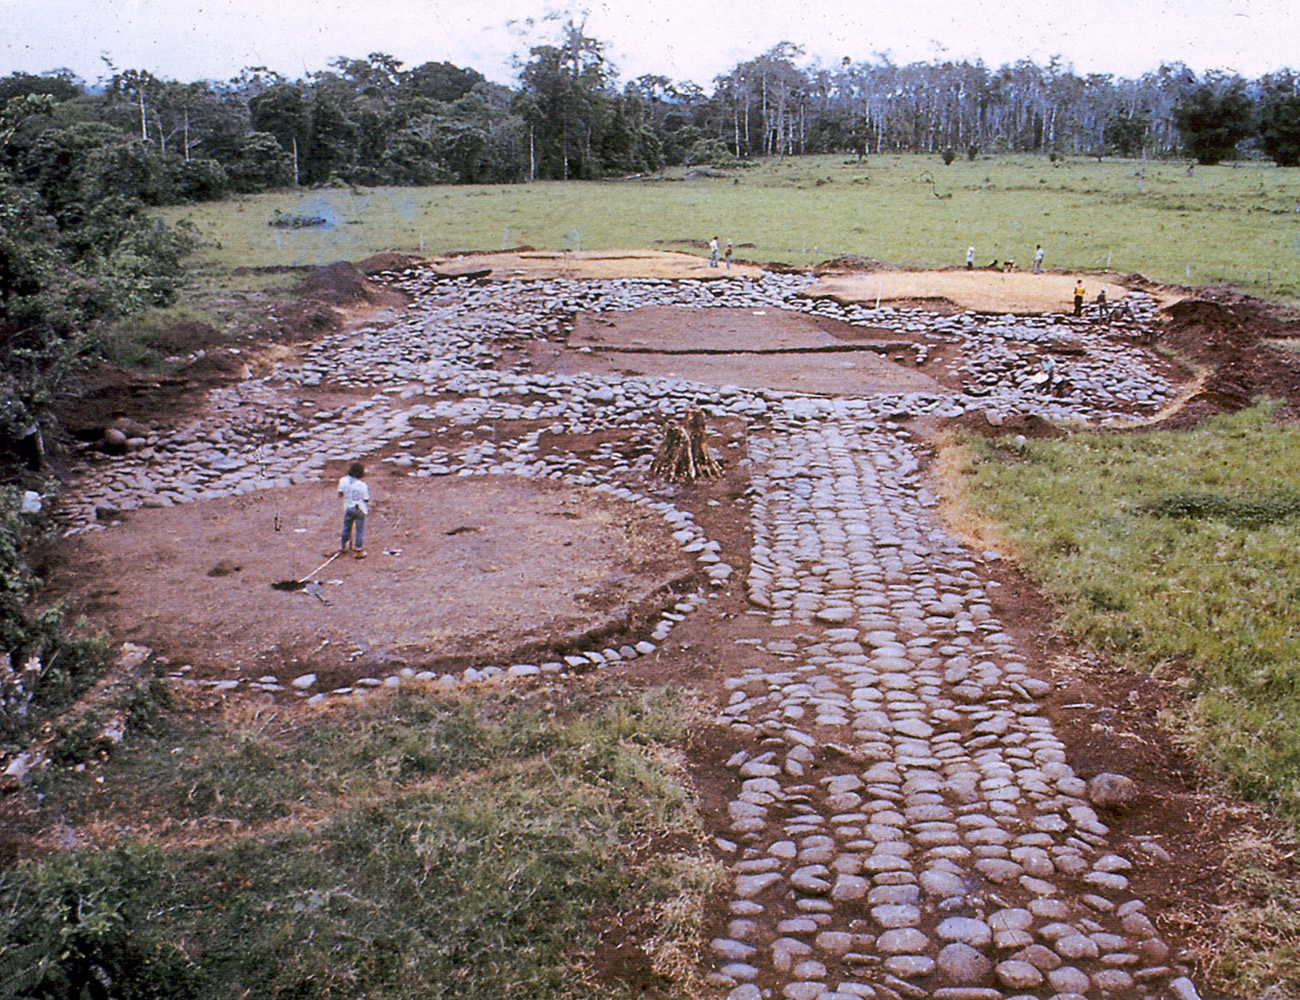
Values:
[(356, 501)]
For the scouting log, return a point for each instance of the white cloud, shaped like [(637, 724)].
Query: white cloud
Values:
[(680, 39)]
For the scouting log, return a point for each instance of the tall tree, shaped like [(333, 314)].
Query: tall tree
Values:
[(1213, 117), (441, 81), (1279, 123), (569, 87)]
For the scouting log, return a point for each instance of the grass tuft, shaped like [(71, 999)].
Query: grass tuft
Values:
[(1261, 954)]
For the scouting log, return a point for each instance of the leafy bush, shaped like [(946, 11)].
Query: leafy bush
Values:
[(713, 152), (80, 926), (199, 179), (296, 220), (45, 668), (1241, 513)]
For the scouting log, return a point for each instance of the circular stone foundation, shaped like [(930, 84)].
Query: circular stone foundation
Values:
[(464, 570)]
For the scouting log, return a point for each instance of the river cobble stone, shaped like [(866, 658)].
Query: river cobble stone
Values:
[(942, 793)]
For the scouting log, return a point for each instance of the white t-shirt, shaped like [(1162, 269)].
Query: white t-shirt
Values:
[(355, 494)]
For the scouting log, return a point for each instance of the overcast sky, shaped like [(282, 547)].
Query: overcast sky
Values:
[(680, 39)]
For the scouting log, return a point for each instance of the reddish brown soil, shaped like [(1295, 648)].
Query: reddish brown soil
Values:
[(1110, 719), (456, 574), (1229, 337)]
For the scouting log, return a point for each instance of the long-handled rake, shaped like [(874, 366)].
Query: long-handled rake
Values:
[(300, 584)]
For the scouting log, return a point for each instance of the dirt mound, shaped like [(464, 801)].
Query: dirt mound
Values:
[(217, 366), (1208, 331), (98, 394), (1228, 336), (850, 264), (293, 322), (340, 283), (184, 337), (381, 262)]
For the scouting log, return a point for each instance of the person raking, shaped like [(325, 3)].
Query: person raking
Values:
[(356, 501)]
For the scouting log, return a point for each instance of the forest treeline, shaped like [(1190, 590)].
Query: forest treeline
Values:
[(80, 164), (372, 121)]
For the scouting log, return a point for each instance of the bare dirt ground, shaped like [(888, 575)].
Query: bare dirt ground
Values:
[(748, 348), (455, 575), (479, 569), (544, 265)]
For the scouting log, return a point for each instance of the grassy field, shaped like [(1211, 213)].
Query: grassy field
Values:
[(413, 847), (1175, 553), (1234, 223)]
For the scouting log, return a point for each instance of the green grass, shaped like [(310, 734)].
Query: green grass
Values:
[(1231, 223), (1176, 552), (437, 849)]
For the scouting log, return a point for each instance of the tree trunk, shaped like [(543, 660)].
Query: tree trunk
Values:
[(684, 457)]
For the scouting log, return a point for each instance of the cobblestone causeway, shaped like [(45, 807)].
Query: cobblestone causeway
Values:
[(945, 849)]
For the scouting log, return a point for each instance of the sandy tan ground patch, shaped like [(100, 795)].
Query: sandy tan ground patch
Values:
[(984, 291), (590, 264), (459, 569)]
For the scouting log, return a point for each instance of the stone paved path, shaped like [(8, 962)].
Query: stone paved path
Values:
[(944, 848)]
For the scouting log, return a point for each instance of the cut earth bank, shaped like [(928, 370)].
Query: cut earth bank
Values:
[(896, 769)]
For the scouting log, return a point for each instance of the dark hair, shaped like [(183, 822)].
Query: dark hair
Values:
[(357, 471)]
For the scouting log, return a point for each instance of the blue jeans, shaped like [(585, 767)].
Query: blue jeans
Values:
[(354, 518)]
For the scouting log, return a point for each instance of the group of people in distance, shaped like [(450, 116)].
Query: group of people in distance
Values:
[(1008, 264), (713, 253), (1105, 311)]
